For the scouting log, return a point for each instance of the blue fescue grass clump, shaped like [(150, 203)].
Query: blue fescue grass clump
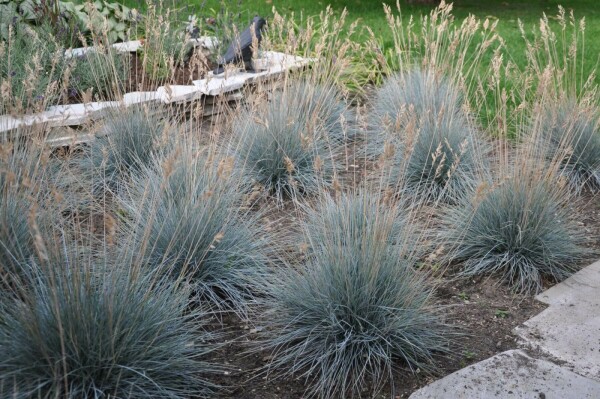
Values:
[(571, 132), (444, 162), (353, 216), (27, 177), (325, 110), (519, 230), (288, 145), (187, 214), (427, 94), (358, 309), (92, 334), (435, 153), (406, 101), (127, 141), (16, 240)]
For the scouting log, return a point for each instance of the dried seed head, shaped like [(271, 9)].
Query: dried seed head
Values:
[(261, 122), (218, 237), (318, 164), (305, 141), (40, 246), (289, 165), (110, 226), (388, 196), (436, 254), (389, 150), (225, 168), (168, 166), (254, 195), (337, 187)]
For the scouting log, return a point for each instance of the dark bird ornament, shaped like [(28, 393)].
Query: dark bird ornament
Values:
[(240, 50)]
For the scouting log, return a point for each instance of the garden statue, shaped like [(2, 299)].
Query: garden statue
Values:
[(241, 48)]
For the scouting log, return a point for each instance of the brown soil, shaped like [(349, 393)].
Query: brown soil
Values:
[(184, 74), (588, 211)]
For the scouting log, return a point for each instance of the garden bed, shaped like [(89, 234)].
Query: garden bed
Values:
[(310, 243)]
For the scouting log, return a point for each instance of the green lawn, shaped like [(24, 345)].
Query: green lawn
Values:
[(371, 13)]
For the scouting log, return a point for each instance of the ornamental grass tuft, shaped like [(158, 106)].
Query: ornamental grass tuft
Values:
[(519, 229), (186, 211), (443, 163), (127, 141), (102, 73), (358, 309), (407, 101), (418, 126), (92, 331), (16, 241), (27, 183), (569, 133), (288, 145)]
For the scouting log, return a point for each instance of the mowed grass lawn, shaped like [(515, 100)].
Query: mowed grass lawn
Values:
[(370, 12)]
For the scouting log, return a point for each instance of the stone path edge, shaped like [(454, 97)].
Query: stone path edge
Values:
[(551, 362)]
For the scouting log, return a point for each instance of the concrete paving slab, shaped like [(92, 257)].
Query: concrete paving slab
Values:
[(511, 374), (69, 109), (8, 123), (570, 334), (582, 287), (76, 114), (207, 42)]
